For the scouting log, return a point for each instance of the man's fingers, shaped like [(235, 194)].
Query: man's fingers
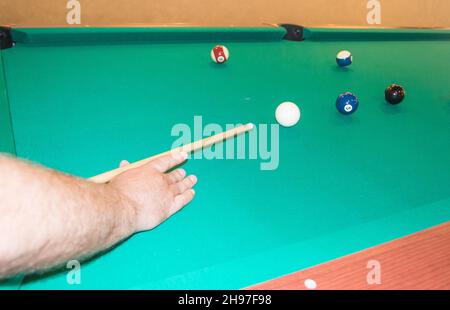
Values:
[(176, 176), (182, 200), (184, 185), (169, 161)]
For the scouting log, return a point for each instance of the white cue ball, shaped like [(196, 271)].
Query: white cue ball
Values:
[(287, 114)]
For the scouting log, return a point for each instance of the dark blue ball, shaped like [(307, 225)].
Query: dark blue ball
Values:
[(347, 103)]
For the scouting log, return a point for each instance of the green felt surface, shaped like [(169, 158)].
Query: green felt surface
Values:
[(6, 133), (344, 183)]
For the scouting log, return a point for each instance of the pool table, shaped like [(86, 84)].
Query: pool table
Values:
[(81, 99)]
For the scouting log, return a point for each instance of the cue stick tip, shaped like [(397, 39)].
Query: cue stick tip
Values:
[(250, 126)]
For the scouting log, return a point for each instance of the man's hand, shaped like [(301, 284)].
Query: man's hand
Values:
[(48, 218), (154, 193)]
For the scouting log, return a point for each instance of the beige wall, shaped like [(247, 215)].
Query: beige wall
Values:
[(395, 13)]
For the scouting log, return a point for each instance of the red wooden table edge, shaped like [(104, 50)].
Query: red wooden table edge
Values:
[(420, 261)]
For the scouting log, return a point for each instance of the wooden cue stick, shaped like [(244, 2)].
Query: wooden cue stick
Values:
[(188, 148)]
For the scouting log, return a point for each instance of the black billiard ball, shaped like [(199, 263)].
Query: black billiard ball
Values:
[(394, 94)]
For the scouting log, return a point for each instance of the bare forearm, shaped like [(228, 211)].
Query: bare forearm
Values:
[(48, 218)]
